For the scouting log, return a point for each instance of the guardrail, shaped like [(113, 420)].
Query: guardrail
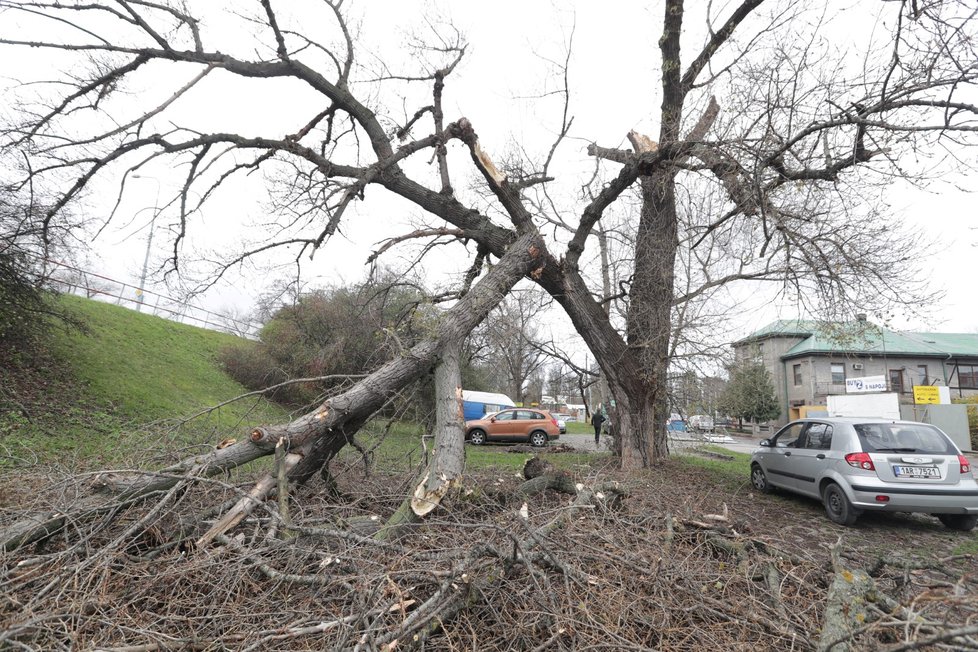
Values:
[(65, 277)]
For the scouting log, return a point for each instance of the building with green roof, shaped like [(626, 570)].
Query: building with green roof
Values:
[(810, 360)]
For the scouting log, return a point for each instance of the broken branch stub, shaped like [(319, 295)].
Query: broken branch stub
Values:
[(444, 472)]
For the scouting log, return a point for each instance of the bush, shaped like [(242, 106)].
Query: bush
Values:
[(22, 302), (973, 425), (335, 334), (252, 366), (26, 309)]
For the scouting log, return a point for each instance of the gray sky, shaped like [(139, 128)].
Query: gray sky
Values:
[(504, 87)]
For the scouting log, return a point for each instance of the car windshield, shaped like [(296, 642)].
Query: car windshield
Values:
[(903, 438)]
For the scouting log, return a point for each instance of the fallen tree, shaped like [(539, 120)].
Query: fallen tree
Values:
[(312, 440), (174, 556)]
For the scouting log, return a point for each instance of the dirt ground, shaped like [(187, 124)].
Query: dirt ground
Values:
[(801, 523), (684, 560)]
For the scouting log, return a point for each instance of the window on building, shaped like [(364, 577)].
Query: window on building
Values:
[(896, 380), (797, 371), (922, 377), (838, 373), (968, 376)]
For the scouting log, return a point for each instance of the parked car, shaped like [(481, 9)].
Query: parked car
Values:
[(562, 426), (862, 464), (701, 423), (519, 424)]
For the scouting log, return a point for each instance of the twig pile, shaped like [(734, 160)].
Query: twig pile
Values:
[(641, 563)]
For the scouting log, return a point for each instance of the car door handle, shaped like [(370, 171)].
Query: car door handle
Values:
[(820, 456)]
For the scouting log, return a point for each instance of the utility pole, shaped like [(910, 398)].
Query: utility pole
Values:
[(149, 242)]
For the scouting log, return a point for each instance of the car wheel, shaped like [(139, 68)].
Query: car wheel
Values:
[(477, 437), (538, 439), (759, 479), (837, 506), (963, 522)]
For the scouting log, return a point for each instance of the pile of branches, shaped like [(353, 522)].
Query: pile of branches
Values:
[(543, 560)]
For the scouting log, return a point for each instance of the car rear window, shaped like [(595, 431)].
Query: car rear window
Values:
[(903, 438)]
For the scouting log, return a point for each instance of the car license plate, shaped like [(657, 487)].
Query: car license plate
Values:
[(916, 471)]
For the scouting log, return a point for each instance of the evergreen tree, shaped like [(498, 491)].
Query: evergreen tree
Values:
[(750, 394)]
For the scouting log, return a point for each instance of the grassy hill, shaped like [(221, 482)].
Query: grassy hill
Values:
[(126, 382), (119, 393)]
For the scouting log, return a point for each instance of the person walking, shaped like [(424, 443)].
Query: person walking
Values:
[(597, 420)]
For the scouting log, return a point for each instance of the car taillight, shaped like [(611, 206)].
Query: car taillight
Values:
[(554, 421), (860, 461), (965, 464)]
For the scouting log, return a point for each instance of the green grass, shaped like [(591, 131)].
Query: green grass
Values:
[(91, 398), (579, 428), (732, 472), (143, 366), (969, 547), (400, 450), (127, 382)]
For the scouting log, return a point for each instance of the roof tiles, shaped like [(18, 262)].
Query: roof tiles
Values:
[(865, 337)]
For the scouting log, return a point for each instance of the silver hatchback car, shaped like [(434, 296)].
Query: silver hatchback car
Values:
[(854, 464)]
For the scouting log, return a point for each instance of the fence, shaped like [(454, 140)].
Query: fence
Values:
[(68, 278)]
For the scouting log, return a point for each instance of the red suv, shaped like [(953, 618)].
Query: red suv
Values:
[(517, 424)]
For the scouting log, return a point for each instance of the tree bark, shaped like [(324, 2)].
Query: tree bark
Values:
[(650, 321), (444, 472)]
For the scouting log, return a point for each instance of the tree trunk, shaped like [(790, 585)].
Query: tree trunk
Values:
[(630, 383), (633, 413), (650, 321), (444, 472), (636, 372), (603, 390)]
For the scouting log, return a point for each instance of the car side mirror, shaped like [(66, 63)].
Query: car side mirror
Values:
[(766, 443), (492, 419)]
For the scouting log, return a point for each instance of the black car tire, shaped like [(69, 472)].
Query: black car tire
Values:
[(538, 438), (758, 480), (962, 522), (477, 437), (837, 505)]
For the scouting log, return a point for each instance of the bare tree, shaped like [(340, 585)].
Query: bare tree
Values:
[(785, 150), (512, 331), (794, 165)]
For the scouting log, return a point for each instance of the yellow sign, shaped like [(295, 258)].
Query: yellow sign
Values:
[(926, 394)]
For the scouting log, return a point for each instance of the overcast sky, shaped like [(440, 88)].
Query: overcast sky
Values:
[(503, 86)]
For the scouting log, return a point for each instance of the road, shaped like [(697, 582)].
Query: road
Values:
[(740, 444)]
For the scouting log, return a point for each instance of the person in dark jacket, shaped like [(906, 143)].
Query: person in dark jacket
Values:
[(597, 420)]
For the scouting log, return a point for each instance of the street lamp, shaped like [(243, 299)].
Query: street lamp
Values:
[(149, 240)]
